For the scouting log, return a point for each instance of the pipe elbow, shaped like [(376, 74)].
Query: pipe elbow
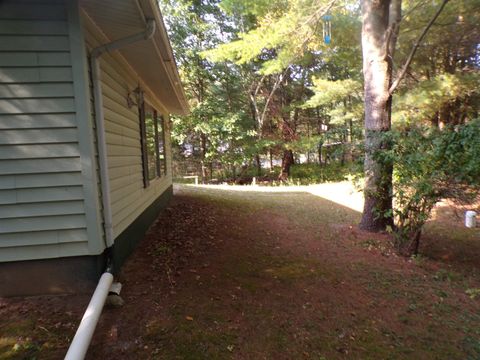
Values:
[(120, 43)]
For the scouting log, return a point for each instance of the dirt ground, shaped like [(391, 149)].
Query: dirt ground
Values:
[(271, 275)]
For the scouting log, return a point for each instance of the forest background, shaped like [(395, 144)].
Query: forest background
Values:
[(279, 90)]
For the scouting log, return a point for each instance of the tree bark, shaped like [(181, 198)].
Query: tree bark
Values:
[(258, 163), (203, 141), (320, 158), (287, 162), (377, 72)]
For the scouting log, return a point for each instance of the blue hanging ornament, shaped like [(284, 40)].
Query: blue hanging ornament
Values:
[(327, 29)]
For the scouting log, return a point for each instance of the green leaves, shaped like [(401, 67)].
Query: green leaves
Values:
[(285, 32), (333, 92), (429, 96), (430, 165)]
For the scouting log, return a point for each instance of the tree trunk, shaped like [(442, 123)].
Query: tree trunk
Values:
[(287, 162), (350, 140), (257, 128), (377, 72), (203, 140), (411, 247), (258, 164), (320, 158)]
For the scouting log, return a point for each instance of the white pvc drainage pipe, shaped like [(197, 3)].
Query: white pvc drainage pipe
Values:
[(79, 346)]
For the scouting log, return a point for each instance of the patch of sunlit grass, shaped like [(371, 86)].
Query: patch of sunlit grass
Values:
[(343, 193)]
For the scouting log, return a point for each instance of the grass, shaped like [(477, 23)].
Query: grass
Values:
[(434, 309)]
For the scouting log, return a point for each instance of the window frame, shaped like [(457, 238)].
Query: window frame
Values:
[(143, 143), (157, 148), (163, 127), (158, 120)]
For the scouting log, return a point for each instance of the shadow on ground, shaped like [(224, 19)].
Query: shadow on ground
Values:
[(272, 275), (261, 275)]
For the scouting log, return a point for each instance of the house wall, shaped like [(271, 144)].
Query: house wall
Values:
[(48, 192), (130, 199)]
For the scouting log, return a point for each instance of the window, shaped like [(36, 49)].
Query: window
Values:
[(161, 144), (152, 127)]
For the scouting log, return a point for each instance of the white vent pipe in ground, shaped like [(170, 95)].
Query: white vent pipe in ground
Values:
[(470, 219), (79, 346)]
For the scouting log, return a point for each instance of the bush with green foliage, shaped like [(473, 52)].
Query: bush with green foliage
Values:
[(306, 174), (430, 165)]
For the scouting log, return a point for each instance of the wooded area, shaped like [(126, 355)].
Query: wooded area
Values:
[(354, 126), (390, 86)]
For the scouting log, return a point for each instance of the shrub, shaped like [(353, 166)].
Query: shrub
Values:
[(430, 165), (306, 174)]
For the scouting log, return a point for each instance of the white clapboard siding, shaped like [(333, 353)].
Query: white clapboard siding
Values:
[(122, 216), (124, 127), (121, 182), (42, 200), (122, 150), (128, 195), (125, 171), (120, 193), (121, 128), (123, 140), (121, 161), (127, 115)]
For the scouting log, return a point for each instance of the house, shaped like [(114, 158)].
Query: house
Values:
[(86, 90)]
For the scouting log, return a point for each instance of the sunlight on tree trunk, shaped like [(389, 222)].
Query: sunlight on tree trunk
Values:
[(377, 72)]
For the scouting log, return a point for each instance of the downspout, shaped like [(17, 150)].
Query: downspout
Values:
[(100, 120), (81, 341)]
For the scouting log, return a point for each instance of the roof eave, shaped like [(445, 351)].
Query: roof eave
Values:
[(150, 7)]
